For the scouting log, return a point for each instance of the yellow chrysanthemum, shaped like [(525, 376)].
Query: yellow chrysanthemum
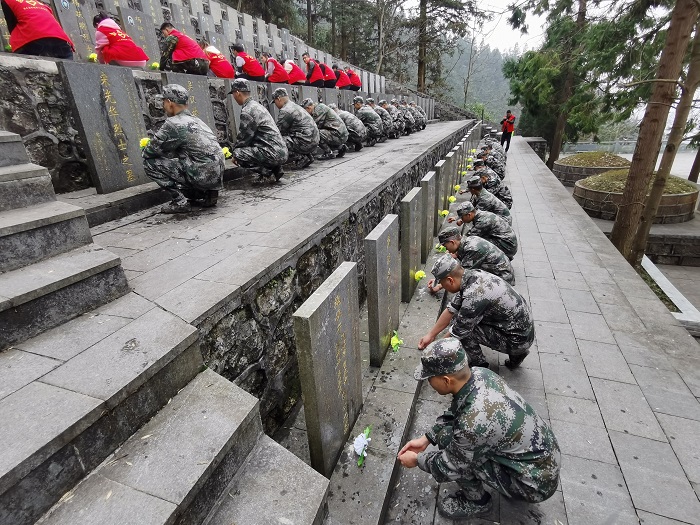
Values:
[(144, 142), (155, 65), (92, 57), (396, 342), (419, 275), (227, 152), (452, 198), (457, 186), (444, 213)]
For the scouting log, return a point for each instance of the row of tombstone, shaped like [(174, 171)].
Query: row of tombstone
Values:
[(218, 23), (109, 114), (326, 326)]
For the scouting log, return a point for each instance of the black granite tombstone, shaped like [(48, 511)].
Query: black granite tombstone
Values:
[(198, 87), (75, 16), (140, 27)]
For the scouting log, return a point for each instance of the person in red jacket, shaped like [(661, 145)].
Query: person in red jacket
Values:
[(248, 67), (182, 54), (296, 75), (342, 79), (274, 71), (314, 74), (35, 31), (329, 78), (218, 64), (355, 82), (507, 126), (114, 46)]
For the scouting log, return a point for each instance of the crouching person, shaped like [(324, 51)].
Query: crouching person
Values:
[(184, 157), (490, 437)]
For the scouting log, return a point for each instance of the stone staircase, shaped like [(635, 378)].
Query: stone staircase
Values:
[(108, 414)]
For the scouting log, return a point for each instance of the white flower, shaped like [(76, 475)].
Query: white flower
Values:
[(360, 445)]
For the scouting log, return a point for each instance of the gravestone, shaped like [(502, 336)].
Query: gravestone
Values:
[(271, 107), (4, 32), (206, 24), (233, 111), (383, 268), (247, 31), (218, 11), (217, 40), (411, 220), (276, 41), (198, 88), (327, 333), (109, 119), (180, 17), (440, 197), (448, 179), (75, 17), (308, 92), (427, 185), (196, 6), (139, 26), (153, 9), (287, 47), (330, 96)]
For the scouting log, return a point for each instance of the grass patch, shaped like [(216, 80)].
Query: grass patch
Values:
[(595, 159), (651, 283), (614, 181)]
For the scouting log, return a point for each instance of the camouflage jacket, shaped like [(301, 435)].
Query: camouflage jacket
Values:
[(187, 138), (487, 202), (396, 115), (496, 165), (387, 121), (371, 120), (487, 300), (496, 187), (295, 122), (257, 129), (407, 116), (496, 230), (353, 123), (417, 115), (479, 254), (326, 118), (489, 421)]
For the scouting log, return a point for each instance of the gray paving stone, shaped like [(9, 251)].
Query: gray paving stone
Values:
[(158, 255), (397, 370), (563, 264), (18, 369), (689, 370), (194, 300), (550, 311), (297, 442), (565, 375), (223, 246), (106, 502), (625, 409), (579, 301), (655, 479), (583, 441), (595, 275), (610, 294), (249, 265), (647, 518), (595, 492), (539, 269), (683, 435), (591, 327), (536, 398), (571, 280), (555, 338), (151, 285), (211, 229), (605, 361), (518, 512), (574, 410), (666, 392), (522, 378), (130, 306), (622, 318), (638, 355)]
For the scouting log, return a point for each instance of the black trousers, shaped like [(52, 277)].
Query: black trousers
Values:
[(47, 47), (316, 83), (329, 83), (506, 138), (261, 78)]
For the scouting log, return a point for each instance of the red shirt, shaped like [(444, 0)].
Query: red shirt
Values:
[(221, 67), (343, 79), (509, 124), (329, 74), (186, 48), (317, 73), (251, 67), (34, 21), (354, 79), (121, 46), (279, 75), (296, 74)]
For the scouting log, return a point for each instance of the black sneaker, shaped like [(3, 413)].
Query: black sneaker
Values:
[(211, 197), (341, 151), (277, 172), (514, 362), (358, 146), (457, 505)]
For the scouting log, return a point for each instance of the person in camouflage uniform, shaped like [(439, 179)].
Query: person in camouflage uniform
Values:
[(179, 43), (488, 226), (334, 133), (423, 113), (259, 145), (398, 123), (485, 310), (474, 253), (411, 116), (482, 199), (357, 133), (387, 121), (298, 130), (492, 182), (492, 162), (489, 437), (372, 121), (406, 115), (184, 156), (418, 114)]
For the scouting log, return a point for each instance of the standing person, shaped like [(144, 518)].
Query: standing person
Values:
[(259, 145), (314, 74), (247, 67), (296, 75), (184, 157), (355, 80), (298, 130), (35, 31), (274, 71), (372, 121), (507, 126), (182, 54), (332, 130), (342, 79), (357, 133), (218, 63), (490, 437), (114, 46)]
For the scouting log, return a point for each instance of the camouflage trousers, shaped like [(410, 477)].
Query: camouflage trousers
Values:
[(375, 132), (296, 145), (179, 174), (253, 157), (193, 66), (507, 247), (356, 138), (330, 139), (496, 340)]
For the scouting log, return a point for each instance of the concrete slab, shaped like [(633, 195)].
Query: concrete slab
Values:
[(18, 369)]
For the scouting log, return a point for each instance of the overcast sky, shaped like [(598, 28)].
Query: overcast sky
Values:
[(497, 32)]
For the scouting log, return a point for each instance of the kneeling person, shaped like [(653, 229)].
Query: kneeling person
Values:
[(184, 157), (489, 226), (370, 119), (332, 130), (298, 129), (482, 199), (490, 437), (486, 311), (357, 133)]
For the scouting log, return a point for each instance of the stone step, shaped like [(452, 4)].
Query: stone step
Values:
[(53, 291), (12, 149), (24, 184), (63, 424), (273, 486), (176, 466), (32, 234)]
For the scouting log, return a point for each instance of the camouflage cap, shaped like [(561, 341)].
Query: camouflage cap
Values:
[(478, 162), (448, 234), (394, 101), (382, 102), (485, 147), (307, 102), (443, 266), (358, 100), (465, 208), (333, 106), (370, 100), (176, 93), (412, 102), (441, 357), (474, 182), (279, 93), (240, 84)]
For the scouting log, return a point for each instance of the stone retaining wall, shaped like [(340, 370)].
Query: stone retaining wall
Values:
[(569, 175)]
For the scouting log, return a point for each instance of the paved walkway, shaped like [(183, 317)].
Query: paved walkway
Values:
[(686, 279)]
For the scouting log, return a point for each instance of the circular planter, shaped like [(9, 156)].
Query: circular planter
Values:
[(603, 205), (569, 175)]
